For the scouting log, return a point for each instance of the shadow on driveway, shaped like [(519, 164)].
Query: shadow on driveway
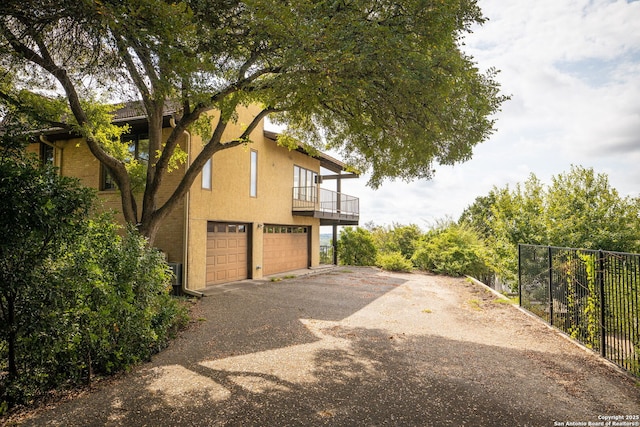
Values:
[(358, 347)]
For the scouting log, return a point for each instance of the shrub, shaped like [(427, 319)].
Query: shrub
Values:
[(101, 307), (453, 250), (356, 247), (393, 261), (398, 238), (123, 306)]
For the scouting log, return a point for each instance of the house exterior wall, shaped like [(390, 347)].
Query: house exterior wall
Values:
[(228, 200)]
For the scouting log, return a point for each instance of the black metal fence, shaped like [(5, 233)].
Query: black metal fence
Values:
[(590, 295), (326, 254)]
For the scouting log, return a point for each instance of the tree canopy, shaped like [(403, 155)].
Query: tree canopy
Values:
[(578, 209), (385, 83)]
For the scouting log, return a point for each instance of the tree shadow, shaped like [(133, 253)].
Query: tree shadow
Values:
[(372, 378), (264, 316)]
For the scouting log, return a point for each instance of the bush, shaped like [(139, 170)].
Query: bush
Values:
[(122, 305), (454, 250), (398, 238), (356, 247), (393, 261), (102, 308), (100, 305)]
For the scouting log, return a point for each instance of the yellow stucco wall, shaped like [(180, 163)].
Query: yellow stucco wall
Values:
[(229, 199)]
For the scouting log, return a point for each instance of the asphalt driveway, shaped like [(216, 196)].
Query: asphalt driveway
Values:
[(358, 347)]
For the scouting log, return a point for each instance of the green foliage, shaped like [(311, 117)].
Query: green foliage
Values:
[(356, 247), (126, 314), (579, 209), (372, 80), (586, 331), (584, 211), (78, 297), (393, 261), (454, 250), (41, 212), (398, 238), (100, 126)]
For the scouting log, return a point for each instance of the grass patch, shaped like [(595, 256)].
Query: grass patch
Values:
[(475, 304), (281, 278), (510, 301)]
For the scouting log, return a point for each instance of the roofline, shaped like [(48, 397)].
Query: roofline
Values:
[(120, 116), (326, 161)]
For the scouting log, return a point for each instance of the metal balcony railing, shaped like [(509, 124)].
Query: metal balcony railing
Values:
[(324, 203)]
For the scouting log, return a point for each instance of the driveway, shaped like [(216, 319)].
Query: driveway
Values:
[(358, 347)]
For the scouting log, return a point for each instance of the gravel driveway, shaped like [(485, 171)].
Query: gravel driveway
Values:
[(358, 347)]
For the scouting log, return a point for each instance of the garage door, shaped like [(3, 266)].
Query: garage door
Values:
[(227, 248), (286, 248)]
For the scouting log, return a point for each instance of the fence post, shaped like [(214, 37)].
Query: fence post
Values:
[(603, 339), (520, 274), (550, 286)]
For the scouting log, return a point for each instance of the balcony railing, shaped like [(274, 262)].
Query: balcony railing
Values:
[(326, 204)]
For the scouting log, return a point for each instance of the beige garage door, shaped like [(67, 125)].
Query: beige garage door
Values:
[(227, 248), (286, 248)]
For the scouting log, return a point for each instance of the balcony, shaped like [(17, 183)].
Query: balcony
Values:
[(332, 208)]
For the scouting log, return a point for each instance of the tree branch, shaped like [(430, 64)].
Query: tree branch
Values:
[(133, 70), (256, 120)]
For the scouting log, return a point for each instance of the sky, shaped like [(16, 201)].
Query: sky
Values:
[(572, 69)]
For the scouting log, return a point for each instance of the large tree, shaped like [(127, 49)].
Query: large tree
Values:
[(386, 83)]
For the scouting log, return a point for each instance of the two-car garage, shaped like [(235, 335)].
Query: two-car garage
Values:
[(229, 250)]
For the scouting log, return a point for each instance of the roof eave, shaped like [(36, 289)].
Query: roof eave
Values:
[(326, 161)]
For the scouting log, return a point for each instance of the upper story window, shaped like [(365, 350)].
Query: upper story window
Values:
[(106, 180), (138, 146), (253, 173), (305, 184), (206, 175), (139, 150)]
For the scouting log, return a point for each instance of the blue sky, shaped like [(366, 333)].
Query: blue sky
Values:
[(572, 68)]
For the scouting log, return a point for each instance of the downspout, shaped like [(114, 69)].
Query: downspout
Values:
[(185, 237)]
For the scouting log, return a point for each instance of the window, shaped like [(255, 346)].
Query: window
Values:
[(206, 175), (214, 227), (304, 184), (139, 150), (253, 189), (138, 146), (107, 182), (271, 229), (46, 154)]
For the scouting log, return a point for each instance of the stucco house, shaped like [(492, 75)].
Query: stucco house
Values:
[(255, 211)]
